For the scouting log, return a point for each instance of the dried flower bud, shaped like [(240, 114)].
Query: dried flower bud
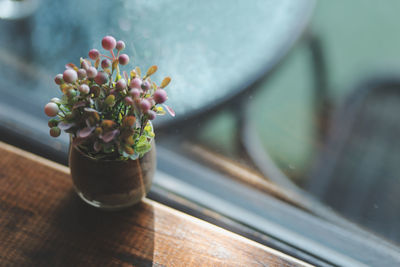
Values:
[(52, 123), (98, 131), (129, 150), (128, 121), (129, 140), (107, 124), (55, 131)]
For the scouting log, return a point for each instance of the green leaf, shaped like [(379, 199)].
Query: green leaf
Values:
[(160, 111), (142, 146)]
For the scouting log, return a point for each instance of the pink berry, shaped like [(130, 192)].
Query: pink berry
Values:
[(108, 43), (123, 59), (135, 83), (105, 63), (58, 79), (135, 93), (145, 105), (70, 76), (160, 96), (91, 72), (101, 78), (51, 109), (121, 84), (84, 89), (81, 74), (128, 100), (120, 45), (151, 114), (94, 54)]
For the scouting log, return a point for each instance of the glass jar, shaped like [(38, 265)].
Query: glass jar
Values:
[(111, 184)]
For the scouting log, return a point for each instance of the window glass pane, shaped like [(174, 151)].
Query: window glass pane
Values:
[(276, 101)]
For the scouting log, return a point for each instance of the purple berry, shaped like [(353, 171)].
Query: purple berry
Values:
[(121, 84), (91, 72), (135, 93), (84, 89), (51, 109), (120, 45), (145, 105), (94, 54), (128, 100), (70, 76), (101, 78), (145, 85), (58, 79), (105, 63), (160, 96), (151, 114), (123, 59), (135, 83), (108, 43), (82, 74)]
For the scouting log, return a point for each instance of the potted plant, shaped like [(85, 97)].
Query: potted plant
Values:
[(108, 115)]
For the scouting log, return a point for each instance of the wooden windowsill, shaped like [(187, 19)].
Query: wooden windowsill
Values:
[(43, 222)]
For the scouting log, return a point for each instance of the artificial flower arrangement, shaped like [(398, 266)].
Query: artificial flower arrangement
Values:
[(107, 112)]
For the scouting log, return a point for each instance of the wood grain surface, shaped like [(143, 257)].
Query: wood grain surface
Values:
[(44, 223)]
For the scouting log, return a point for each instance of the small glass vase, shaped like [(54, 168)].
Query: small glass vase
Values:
[(111, 184)]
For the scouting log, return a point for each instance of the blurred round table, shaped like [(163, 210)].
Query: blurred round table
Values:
[(213, 50)]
